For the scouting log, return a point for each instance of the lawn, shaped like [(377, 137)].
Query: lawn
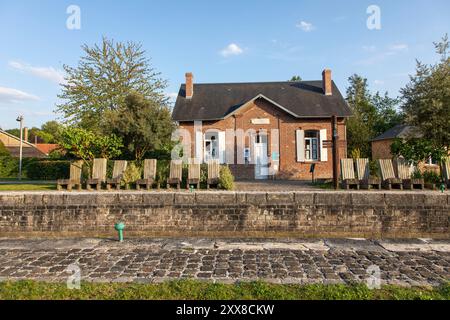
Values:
[(28, 187), (195, 290)]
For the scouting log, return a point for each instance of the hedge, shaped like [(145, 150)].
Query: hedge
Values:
[(48, 170), (34, 169)]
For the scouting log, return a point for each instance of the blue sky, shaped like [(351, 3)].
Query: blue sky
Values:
[(219, 41)]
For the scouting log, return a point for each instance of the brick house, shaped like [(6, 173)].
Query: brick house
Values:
[(264, 129), (29, 150), (381, 145)]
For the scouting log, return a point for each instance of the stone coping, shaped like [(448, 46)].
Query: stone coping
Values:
[(330, 198), (162, 191)]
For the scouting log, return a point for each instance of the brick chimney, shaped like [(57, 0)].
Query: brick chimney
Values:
[(326, 82), (25, 134), (189, 85)]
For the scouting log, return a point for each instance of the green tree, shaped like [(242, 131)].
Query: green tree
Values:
[(53, 130), (15, 132), (387, 115), (296, 78), (360, 126), (48, 133), (372, 115), (35, 135), (104, 77), (417, 150), (143, 124), (86, 145), (426, 99)]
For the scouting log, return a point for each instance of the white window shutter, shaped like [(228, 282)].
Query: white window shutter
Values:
[(199, 146), (300, 142), (222, 147), (323, 151)]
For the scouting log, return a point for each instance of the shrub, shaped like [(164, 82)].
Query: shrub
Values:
[(162, 171), (416, 174), (374, 169), (47, 169), (356, 153), (9, 167), (226, 179), (132, 173), (204, 174), (431, 177), (3, 151)]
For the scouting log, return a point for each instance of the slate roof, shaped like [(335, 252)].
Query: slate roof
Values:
[(304, 99), (399, 131)]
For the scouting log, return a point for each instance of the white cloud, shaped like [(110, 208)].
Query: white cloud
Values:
[(48, 73), (10, 95), (305, 26), (172, 95), (378, 82), (399, 47), (231, 50), (369, 48), (379, 57)]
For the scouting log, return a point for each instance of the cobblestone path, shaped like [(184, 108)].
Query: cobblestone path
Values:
[(408, 262)]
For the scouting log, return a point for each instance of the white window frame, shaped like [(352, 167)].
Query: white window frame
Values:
[(309, 152), (207, 155)]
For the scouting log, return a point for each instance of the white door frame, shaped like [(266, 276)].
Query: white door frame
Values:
[(261, 161)]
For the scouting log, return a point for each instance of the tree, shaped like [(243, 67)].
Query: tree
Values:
[(52, 129), (387, 115), (372, 115), (35, 135), (104, 77), (143, 124), (426, 99), (360, 126), (296, 79), (48, 133), (15, 132), (417, 150), (86, 145)]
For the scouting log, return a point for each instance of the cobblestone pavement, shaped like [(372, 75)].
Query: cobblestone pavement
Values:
[(408, 262)]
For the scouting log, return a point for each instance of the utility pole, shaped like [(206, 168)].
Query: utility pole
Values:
[(335, 153), (20, 120)]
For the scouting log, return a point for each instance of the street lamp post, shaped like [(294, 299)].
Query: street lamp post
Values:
[(20, 120)]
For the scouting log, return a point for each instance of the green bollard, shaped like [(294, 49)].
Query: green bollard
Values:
[(119, 227)]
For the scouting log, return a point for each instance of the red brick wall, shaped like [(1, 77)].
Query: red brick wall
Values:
[(381, 149), (287, 125)]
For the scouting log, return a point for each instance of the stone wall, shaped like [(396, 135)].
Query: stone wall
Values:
[(303, 214)]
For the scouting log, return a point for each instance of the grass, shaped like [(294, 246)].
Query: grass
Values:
[(27, 187), (195, 290), (327, 185)]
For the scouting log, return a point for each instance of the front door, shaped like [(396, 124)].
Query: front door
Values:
[(261, 159)]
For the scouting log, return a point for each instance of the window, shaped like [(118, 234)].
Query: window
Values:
[(211, 146), (312, 145), (432, 162), (261, 137)]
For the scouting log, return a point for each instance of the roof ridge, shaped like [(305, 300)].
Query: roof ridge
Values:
[(256, 82)]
